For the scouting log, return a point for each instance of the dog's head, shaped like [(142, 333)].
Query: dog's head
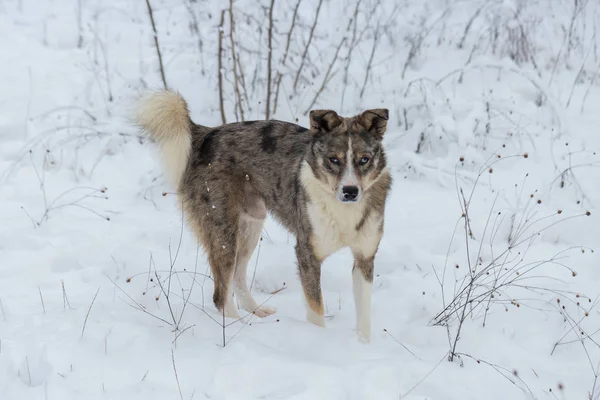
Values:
[(347, 155)]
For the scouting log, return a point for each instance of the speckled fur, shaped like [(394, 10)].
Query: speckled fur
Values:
[(237, 172)]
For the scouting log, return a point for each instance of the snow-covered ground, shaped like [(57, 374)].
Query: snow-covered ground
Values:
[(86, 235)]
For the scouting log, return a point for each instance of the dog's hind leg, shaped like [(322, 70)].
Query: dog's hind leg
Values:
[(248, 237), (251, 222), (222, 258)]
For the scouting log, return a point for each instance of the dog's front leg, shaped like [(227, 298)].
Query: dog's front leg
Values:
[(362, 276), (310, 276)]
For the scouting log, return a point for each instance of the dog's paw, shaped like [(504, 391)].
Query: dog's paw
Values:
[(363, 337), (315, 318), (231, 311), (263, 312)]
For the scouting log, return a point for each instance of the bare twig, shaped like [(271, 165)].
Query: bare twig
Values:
[(285, 54), (88, 312), (511, 376), (79, 24), (425, 377), (3, 313), (234, 59), (194, 28), (65, 298), (401, 344), (326, 77), (308, 43), (176, 377), (370, 63), (160, 62), (269, 52), (468, 26), (353, 42), (220, 67), (137, 305), (42, 300)]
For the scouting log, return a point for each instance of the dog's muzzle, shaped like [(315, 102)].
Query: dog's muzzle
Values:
[(349, 194)]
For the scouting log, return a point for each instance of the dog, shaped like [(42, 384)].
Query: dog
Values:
[(327, 185)]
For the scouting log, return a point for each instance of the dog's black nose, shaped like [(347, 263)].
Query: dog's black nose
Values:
[(350, 192)]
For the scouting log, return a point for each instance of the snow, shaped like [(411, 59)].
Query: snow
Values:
[(73, 280)]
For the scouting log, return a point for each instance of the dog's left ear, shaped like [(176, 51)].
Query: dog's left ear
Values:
[(375, 120), (323, 121)]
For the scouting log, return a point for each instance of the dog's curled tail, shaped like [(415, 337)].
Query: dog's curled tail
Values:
[(165, 116)]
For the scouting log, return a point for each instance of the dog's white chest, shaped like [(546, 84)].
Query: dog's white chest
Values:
[(333, 225)]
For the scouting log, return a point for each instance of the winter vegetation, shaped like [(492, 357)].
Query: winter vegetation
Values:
[(486, 282)]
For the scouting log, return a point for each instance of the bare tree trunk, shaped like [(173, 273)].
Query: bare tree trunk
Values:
[(162, 69)]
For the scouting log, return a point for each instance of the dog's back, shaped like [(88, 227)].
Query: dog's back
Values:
[(265, 155)]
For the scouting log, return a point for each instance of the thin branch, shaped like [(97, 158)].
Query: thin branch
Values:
[(160, 62), (65, 298), (326, 77), (310, 37), (285, 54), (401, 344), (370, 63), (236, 84), (353, 22), (220, 67), (88, 312), (176, 377), (270, 52), (42, 300)]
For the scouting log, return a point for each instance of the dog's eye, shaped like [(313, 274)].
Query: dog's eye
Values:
[(364, 160), (334, 160)]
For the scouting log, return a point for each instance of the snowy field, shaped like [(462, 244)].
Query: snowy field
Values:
[(486, 286)]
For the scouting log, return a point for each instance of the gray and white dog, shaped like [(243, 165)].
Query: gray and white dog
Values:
[(327, 185)]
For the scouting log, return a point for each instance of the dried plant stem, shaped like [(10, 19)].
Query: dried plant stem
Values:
[(160, 62), (2, 309), (269, 57), (353, 23), (65, 298), (468, 26), (310, 37), (42, 300), (285, 54), (326, 77), (176, 376), (223, 326), (79, 24), (220, 67), (236, 85), (88, 312), (370, 63)]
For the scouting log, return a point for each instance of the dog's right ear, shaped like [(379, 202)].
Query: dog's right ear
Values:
[(323, 121)]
